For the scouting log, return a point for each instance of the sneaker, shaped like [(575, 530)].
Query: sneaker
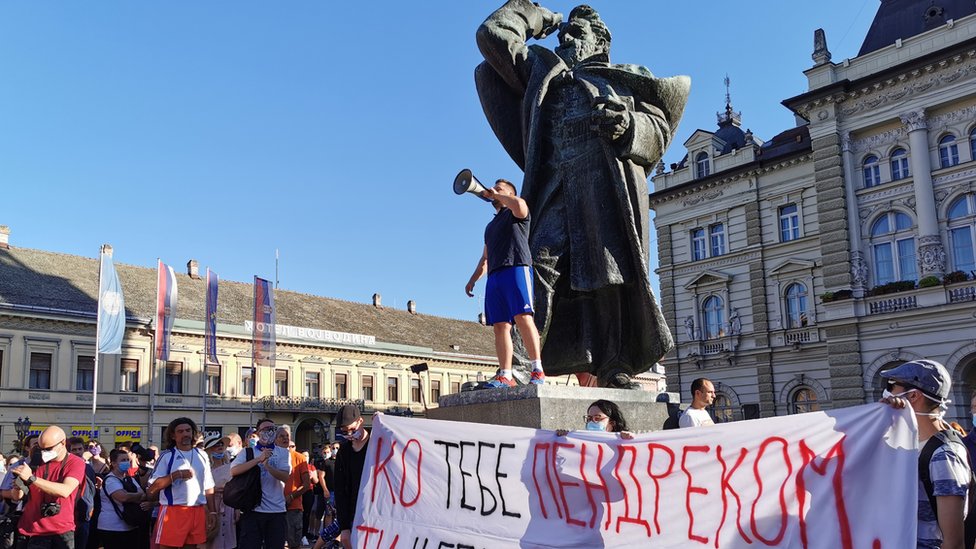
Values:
[(500, 381), (538, 377), (305, 542)]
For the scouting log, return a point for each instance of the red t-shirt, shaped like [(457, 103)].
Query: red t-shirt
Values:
[(32, 523)]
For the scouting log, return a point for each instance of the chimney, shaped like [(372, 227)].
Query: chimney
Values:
[(377, 301), (412, 307), (193, 269), (4, 237)]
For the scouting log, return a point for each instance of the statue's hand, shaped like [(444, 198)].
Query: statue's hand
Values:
[(550, 21), (609, 117)]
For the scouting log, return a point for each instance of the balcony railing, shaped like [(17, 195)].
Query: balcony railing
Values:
[(958, 295), (893, 304), (713, 348), (799, 336), (308, 404)]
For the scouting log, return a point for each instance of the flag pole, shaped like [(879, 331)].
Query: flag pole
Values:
[(254, 369), (206, 379), (153, 361), (98, 325)]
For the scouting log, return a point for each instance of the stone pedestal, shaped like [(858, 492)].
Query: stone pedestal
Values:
[(552, 406)]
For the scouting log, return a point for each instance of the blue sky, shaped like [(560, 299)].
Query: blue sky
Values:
[(221, 131)]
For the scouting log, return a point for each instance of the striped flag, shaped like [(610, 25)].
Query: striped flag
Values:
[(165, 309), (111, 307), (210, 338), (263, 328)]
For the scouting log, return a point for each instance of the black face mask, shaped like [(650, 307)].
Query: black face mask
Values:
[(35, 458)]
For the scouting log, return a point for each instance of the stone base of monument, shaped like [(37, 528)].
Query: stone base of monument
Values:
[(552, 406)]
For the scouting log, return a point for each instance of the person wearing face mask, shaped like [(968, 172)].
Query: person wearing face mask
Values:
[(265, 526), (118, 490), (48, 521), (223, 535), (604, 416), (349, 468), (233, 446), (944, 474), (97, 461), (970, 439)]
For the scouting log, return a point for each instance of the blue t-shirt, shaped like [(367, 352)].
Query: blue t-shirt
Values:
[(507, 241)]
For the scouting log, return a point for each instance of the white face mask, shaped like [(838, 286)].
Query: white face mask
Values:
[(938, 414), (48, 455), (359, 434)]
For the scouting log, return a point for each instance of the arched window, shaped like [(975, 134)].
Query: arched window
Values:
[(893, 245), (899, 164), (722, 408), (796, 306), (803, 400), (872, 171), (701, 164), (948, 151), (962, 233), (713, 311)]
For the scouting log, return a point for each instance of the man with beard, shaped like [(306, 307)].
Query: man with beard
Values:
[(586, 133), (185, 485)]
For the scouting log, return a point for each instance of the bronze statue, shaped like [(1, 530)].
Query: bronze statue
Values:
[(587, 134)]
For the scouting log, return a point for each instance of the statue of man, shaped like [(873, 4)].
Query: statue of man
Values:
[(587, 134)]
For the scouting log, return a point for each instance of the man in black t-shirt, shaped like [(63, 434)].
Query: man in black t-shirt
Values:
[(349, 468), (508, 293)]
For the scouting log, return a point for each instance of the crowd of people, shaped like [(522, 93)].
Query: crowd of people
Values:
[(65, 492)]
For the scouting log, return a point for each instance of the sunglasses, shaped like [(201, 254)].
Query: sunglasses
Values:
[(55, 445)]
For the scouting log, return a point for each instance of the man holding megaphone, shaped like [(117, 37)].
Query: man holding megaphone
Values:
[(508, 293)]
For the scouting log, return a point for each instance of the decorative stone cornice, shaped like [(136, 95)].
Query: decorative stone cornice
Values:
[(662, 196), (915, 120), (721, 261), (944, 120), (877, 141)]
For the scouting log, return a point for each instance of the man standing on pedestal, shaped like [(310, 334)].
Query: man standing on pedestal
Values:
[(508, 294)]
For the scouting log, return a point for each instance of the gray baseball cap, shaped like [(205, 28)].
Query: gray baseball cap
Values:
[(927, 375)]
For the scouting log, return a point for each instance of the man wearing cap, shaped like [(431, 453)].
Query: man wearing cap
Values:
[(349, 468), (264, 527), (944, 474)]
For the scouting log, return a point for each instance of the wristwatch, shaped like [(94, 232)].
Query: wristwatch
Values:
[(30, 480)]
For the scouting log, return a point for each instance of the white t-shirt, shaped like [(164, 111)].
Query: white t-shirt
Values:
[(108, 519), (189, 492), (695, 418), (272, 489)]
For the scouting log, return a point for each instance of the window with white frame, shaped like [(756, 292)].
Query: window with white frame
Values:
[(341, 386), (802, 400), (129, 375), (84, 373), (435, 390), (247, 380), (173, 380), (281, 382), (698, 250), (893, 246), (872, 171), (312, 384), (701, 165), (716, 235), (948, 151), (392, 389), (962, 233), (367, 383), (40, 371), (212, 380), (713, 315), (796, 306), (899, 164), (789, 223)]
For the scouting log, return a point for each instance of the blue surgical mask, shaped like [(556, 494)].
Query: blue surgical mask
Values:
[(253, 443), (596, 425), (218, 455), (124, 466)]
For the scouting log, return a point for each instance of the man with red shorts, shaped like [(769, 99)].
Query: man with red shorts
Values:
[(185, 485)]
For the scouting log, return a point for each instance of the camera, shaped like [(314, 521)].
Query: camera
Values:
[(145, 454), (50, 509)]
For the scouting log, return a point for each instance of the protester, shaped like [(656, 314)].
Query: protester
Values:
[(252, 437), (86, 497), (118, 490), (97, 460), (223, 534), (943, 497), (264, 527), (604, 415), (299, 482), (308, 499), (330, 526), (48, 521), (508, 293), (970, 439), (349, 468), (232, 446), (182, 478), (702, 395)]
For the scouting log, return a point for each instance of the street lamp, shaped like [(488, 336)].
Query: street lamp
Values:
[(22, 426)]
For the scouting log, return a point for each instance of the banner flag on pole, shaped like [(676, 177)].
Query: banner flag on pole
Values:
[(210, 338), (263, 328), (165, 309), (111, 307)]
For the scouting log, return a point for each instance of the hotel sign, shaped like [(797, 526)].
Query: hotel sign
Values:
[(312, 334)]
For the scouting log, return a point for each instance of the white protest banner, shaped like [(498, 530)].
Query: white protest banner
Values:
[(839, 479)]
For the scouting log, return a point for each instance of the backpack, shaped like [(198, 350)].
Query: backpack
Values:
[(939, 439), (85, 505), (130, 513), (243, 492)]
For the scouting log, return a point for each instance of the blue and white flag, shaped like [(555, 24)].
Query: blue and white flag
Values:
[(111, 308), (210, 328)]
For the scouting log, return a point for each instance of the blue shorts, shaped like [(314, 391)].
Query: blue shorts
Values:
[(508, 294)]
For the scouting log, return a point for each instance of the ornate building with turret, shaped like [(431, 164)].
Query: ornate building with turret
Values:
[(795, 270)]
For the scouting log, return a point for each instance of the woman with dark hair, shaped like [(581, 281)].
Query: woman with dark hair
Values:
[(604, 415), (119, 489)]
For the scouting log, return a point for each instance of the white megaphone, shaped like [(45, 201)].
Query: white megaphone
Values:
[(466, 182)]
